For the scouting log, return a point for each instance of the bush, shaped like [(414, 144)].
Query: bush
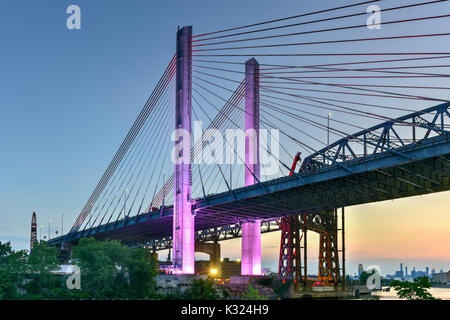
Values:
[(201, 289)]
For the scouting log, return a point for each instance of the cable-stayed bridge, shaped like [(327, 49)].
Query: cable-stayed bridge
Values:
[(342, 124)]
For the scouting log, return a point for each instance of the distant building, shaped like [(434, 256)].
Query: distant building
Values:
[(266, 271), (360, 269), (417, 274), (230, 268), (404, 276), (202, 267), (401, 274), (441, 278), (351, 277)]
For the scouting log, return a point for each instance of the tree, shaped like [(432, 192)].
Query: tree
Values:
[(111, 270), (416, 290), (12, 271), (102, 265), (253, 294), (142, 269), (40, 265), (29, 275), (364, 276), (201, 289)]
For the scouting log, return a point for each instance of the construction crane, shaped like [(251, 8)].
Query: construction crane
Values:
[(297, 158)]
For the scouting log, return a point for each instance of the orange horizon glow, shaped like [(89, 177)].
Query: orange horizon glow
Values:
[(414, 228)]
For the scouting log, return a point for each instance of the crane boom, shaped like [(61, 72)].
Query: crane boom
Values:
[(294, 164)]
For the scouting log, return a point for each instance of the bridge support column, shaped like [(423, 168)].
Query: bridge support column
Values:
[(289, 266), (328, 250), (343, 245), (305, 250), (183, 220), (251, 231)]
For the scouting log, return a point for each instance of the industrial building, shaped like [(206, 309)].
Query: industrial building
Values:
[(441, 278)]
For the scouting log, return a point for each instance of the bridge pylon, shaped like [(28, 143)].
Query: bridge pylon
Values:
[(251, 231), (183, 220)]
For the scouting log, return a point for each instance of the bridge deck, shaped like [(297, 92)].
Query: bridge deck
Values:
[(411, 170)]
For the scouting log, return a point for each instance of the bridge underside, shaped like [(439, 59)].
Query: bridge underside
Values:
[(409, 171)]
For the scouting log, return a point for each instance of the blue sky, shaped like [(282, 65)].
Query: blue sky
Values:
[(68, 98)]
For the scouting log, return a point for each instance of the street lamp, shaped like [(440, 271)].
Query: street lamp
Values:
[(328, 131), (49, 221)]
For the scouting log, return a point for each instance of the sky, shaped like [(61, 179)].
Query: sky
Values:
[(68, 98)]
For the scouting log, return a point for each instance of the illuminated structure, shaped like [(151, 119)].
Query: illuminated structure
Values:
[(251, 231), (183, 220), (401, 157)]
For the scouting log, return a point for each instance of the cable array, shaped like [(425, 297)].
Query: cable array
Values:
[(323, 75)]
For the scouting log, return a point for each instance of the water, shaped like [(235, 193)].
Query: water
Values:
[(441, 293)]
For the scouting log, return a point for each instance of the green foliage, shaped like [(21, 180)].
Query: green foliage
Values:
[(225, 294), (102, 266), (280, 288), (253, 294), (364, 276), (265, 281), (28, 276), (142, 270), (201, 290), (386, 282), (12, 269), (40, 281), (110, 270), (416, 290)]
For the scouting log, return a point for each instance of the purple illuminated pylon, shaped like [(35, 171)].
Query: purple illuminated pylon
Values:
[(183, 220), (251, 231)]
